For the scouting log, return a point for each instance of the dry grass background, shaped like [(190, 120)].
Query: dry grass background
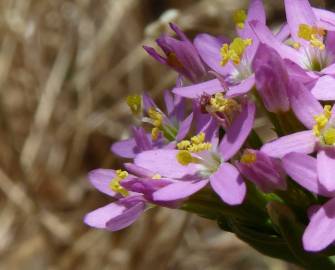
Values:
[(65, 67)]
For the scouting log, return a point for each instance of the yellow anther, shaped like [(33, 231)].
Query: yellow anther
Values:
[(198, 139), (296, 45), (184, 157), (228, 106), (156, 176), (183, 145), (234, 51), (322, 120), (248, 157), (121, 174), (329, 136), (115, 183), (312, 34), (239, 18), (195, 148), (157, 121), (155, 133), (195, 145), (135, 104)]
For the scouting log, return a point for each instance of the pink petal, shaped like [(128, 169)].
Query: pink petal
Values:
[(326, 169), (321, 89), (301, 142), (320, 232), (241, 88), (179, 190), (228, 184), (238, 132), (196, 90), (164, 162), (101, 178)]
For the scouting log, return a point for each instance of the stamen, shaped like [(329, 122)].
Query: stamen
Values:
[(115, 183), (135, 104), (329, 136), (322, 120), (312, 34), (184, 157), (239, 18), (248, 157), (234, 51), (195, 145), (157, 120)]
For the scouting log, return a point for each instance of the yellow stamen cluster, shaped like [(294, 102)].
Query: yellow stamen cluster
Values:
[(218, 103), (135, 104), (115, 183), (322, 120), (157, 120), (312, 34), (239, 18), (248, 157), (195, 145), (234, 51)]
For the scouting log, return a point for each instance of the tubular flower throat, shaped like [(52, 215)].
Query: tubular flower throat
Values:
[(134, 102), (234, 51), (248, 157), (156, 120), (195, 145), (322, 130), (115, 183), (239, 18), (312, 34)]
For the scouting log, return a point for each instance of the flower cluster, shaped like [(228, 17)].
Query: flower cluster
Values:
[(206, 153)]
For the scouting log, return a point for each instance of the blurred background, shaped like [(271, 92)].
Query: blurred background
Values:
[(65, 69)]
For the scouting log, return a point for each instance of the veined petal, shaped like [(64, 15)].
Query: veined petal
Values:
[(195, 91), (128, 216), (303, 103), (178, 190), (228, 184), (164, 162), (238, 132), (101, 178), (209, 49), (241, 88), (301, 142), (322, 90), (326, 169), (320, 232), (303, 169), (325, 16), (299, 12), (330, 42), (99, 217)]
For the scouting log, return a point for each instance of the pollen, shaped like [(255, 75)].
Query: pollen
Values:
[(322, 120), (239, 18), (234, 51), (195, 145), (184, 157), (227, 106), (115, 183), (157, 121), (329, 136), (312, 34), (134, 102), (248, 157)]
